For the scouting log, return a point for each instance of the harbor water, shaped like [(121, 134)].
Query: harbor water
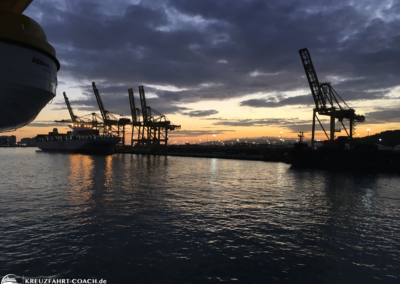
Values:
[(161, 219)]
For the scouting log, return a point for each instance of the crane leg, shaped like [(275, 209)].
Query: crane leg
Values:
[(332, 127), (123, 135), (133, 130), (351, 128), (313, 130)]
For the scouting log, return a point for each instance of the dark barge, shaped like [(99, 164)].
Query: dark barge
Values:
[(335, 155)]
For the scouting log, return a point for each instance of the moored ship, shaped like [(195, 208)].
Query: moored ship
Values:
[(81, 139), (28, 70)]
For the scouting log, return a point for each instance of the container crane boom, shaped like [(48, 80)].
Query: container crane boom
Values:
[(143, 104), (327, 101), (132, 105), (71, 113), (319, 99), (155, 125), (136, 123), (103, 112)]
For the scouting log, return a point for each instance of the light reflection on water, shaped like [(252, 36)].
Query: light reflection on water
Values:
[(193, 220), (80, 175)]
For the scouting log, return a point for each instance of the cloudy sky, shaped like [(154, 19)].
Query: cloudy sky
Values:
[(226, 67)]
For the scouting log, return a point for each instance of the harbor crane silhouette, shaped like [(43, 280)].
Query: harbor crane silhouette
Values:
[(328, 102)]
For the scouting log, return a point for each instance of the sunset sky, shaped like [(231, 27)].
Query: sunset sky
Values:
[(229, 68)]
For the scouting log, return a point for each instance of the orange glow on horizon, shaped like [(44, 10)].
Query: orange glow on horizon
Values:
[(237, 133)]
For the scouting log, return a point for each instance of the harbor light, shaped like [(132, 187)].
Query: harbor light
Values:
[(368, 131)]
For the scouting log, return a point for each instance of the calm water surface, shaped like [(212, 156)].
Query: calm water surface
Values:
[(151, 219)]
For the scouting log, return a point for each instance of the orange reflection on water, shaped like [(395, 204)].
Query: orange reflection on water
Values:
[(81, 177), (109, 171)]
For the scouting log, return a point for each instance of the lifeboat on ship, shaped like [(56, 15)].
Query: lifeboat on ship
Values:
[(28, 66)]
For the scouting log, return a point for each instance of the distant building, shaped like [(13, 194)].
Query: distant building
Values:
[(8, 141), (28, 142)]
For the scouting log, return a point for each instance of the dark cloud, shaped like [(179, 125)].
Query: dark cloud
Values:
[(200, 113), (274, 102), (120, 106), (293, 124), (115, 99), (303, 127), (46, 124), (183, 43), (383, 116), (307, 100)]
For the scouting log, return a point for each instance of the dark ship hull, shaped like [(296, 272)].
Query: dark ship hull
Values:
[(103, 145), (363, 159), (82, 139)]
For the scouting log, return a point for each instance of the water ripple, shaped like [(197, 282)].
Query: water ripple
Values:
[(191, 220)]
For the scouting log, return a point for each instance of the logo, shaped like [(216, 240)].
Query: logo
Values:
[(41, 62), (12, 279), (9, 279)]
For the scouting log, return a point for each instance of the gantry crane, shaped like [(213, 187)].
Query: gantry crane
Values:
[(136, 123), (153, 130), (92, 121), (107, 117), (112, 125), (74, 118), (144, 136), (327, 102), (71, 113)]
